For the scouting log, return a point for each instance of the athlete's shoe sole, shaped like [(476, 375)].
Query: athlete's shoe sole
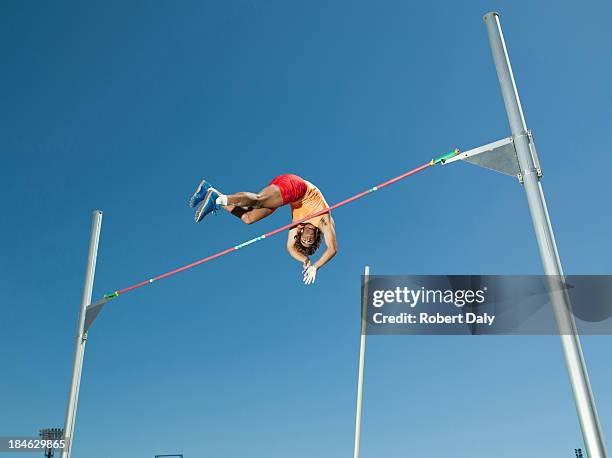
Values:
[(207, 206), (197, 196)]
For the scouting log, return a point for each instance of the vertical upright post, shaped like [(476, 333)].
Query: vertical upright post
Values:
[(570, 341), (81, 336), (364, 306)]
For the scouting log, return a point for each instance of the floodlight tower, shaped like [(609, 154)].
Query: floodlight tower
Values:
[(51, 434)]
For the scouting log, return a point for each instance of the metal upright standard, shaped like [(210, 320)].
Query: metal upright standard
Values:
[(81, 334), (362, 346), (530, 177)]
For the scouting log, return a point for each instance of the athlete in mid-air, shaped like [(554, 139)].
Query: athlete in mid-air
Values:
[(305, 199)]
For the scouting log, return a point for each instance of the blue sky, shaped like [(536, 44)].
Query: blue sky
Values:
[(124, 106)]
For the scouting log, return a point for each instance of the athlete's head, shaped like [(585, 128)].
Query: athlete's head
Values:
[(307, 239)]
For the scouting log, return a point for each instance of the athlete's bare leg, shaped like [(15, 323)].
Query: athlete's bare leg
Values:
[(251, 207), (268, 197), (248, 215)]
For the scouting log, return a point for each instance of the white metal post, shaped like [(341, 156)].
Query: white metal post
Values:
[(364, 306), (570, 341), (81, 336)]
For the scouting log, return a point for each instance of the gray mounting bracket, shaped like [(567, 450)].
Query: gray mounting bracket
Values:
[(92, 312), (499, 156), (534, 156)]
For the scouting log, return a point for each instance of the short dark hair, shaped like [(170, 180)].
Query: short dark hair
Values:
[(310, 250)]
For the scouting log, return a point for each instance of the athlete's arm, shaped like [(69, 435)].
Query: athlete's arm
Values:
[(329, 235), (295, 254)]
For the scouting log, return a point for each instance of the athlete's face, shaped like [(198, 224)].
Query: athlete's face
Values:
[(307, 239)]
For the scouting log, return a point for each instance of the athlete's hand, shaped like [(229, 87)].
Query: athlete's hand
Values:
[(310, 274), (306, 264)]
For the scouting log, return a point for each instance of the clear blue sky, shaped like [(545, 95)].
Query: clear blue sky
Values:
[(124, 106)]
